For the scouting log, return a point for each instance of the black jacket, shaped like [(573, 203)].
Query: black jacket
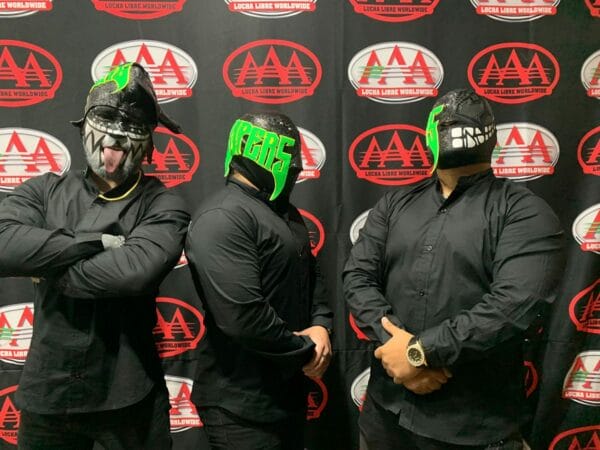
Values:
[(256, 277), (94, 310), (467, 275)]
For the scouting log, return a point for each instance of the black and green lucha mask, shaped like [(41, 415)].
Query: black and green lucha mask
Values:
[(461, 130), (265, 148), (120, 114)]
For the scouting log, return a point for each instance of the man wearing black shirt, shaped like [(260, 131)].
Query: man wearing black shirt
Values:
[(97, 244), (445, 278), (267, 318)]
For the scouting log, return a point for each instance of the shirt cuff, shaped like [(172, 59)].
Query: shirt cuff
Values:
[(433, 355), (324, 322)]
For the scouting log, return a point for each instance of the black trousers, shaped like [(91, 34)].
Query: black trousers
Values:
[(380, 431), (226, 431), (143, 426)]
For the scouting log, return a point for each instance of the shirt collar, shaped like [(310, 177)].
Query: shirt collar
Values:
[(118, 193)]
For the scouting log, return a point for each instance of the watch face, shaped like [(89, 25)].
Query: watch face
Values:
[(415, 356)]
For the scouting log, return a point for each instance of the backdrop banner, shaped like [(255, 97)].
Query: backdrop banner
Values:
[(359, 78)]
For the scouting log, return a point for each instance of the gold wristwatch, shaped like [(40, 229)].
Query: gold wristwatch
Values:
[(415, 353)]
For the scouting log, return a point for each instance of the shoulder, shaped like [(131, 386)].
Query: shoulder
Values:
[(225, 210), (157, 194), (521, 204)]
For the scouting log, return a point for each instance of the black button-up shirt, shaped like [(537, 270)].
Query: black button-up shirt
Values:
[(257, 280), (92, 347), (467, 275)]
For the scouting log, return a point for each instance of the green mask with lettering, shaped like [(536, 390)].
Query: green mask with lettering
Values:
[(265, 148)]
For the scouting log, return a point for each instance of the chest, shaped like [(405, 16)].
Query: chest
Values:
[(79, 211)]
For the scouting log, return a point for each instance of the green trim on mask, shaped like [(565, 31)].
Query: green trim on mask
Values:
[(432, 135), (119, 75), (264, 148)]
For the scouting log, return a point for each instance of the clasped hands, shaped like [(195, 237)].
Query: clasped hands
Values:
[(393, 359), (321, 358)]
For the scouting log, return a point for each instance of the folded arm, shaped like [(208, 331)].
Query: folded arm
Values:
[(27, 246), (140, 264)]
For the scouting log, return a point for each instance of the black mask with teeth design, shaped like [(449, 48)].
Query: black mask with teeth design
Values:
[(465, 128), (107, 128), (120, 114)]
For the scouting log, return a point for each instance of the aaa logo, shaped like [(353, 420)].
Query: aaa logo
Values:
[(588, 152), (586, 229), (179, 327), (582, 383), (514, 72), (183, 413), (391, 155), (525, 151), (395, 72), (26, 153), (584, 309), (590, 74), (28, 74), (272, 71), (16, 329), (313, 155), (10, 416), (584, 438), (175, 158)]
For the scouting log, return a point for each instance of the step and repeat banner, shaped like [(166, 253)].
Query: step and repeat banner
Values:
[(359, 78)]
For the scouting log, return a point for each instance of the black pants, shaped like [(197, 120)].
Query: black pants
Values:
[(143, 426), (226, 431), (380, 431)]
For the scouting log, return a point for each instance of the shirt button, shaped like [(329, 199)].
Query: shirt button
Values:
[(443, 211), (428, 248), (421, 293)]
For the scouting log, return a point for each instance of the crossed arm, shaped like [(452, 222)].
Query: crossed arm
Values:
[(83, 268)]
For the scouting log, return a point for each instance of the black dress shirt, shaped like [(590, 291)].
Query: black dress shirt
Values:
[(256, 277), (92, 347), (467, 275)]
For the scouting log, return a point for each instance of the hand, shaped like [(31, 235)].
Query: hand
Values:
[(36, 280), (428, 381), (112, 241), (393, 353), (318, 364)]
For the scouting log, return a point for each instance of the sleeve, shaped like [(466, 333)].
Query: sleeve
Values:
[(223, 257), (27, 247), (321, 312), (363, 276), (527, 270), (138, 267)]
